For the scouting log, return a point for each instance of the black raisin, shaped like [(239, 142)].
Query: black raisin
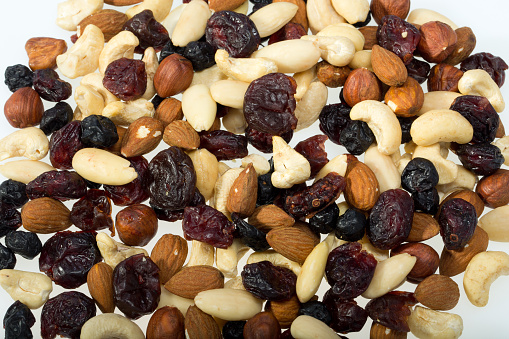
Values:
[(56, 117), (26, 244), (250, 235), (98, 131), (18, 76), (351, 225), (324, 221), (7, 258), (201, 54), (356, 137), (13, 193), (419, 175)]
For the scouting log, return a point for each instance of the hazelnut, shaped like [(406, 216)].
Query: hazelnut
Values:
[(381, 8), (136, 225), (437, 41), (262, 325), (361, 85), (173, 76), (427, 260), (493, 189), (330, 75), (407, 100), (444, 77), (166, 322), (24, 108), (464, 46)]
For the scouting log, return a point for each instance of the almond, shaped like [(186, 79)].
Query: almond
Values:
[(292, 243), (141, 137), (438, 292), (361, 84), (199, 324), (424, 227), (362, 189), (494, 189), (169, 110), (166, 322), (285, 311), (109, 21), (122, 2), (388, 67), (100, 286), (243, 193), (45, 215), (224, 5), (369, 33), (406, 100), (190, 281), (181, 134), (173, 76), (42, 52), (301, 15), (169, 254), (268, 217)]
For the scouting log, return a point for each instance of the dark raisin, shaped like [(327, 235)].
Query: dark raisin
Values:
[(313, 149), (419, 175), (224, 145), (398, 36), (457, 221), (10, 219), (250, 235), (365, 22), (18, 76), (171, 216), (482, 159), (317, 310), (149, 32), (126, 78), (333, 119), (266, 191), (346, 315), (156, 100), (356, 137), (169, 49), (55, 118), (351, 226), (13, 193), (342, 96), (64, 143), (65, 314), (49, 85), (419, 70), (269, 104), (390, 220), (26, 244), (392, 310), (406, 124), (324, 221), (61, 185), (136, 288), (134, 192), (290, 31), (208, 225), (92, 185), (201, 54), (17, 321), (92, 212), (269, 282), (233, 32), (495, 66), (7, 258), (264, 2), (263, 141), (67, 257), (98, 131), (234, 329), (426, 201)]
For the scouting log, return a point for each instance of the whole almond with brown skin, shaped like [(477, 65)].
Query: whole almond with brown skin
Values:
[(381, 8), (24, 108), (115, 149), (173, 76), (262, 326), (42, 52), (379, 331), (200, 325), (109, 21), (361, 85), (122, 2), (136, 225), (291, 242), (427, 259), (500, 129), (243, 193), (181, 134), (169, 254), (444, 77), (45, 215), (437, 41), (268, 217), (438, 292), (191, 280), (369, 33), (224, 5), (388, 67), (166, 323), (301, 15), (330, 75), (494, 189), (285, 311), (362, 189), (469, 196), (407, 100), (424, 227), (169, 110), (142, 136), (464, 46), (100, 286)]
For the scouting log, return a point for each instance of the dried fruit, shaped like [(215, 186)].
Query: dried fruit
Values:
[(224, 145), (126, 78), (206, 224), (457, 220), (398, 36), (392, 310), (60, 185), (49, 85), (149, 32), (269, 282), (18, 76), (495, 66)]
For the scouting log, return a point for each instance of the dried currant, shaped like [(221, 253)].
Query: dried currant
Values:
[(18, 76), (333, 119), (269, 282), (313, 149), (419, 175), (13, 193), (126, 78), (201, 54), (482, 159), (26, 244), (346, 315), (17, 321), (92, 212), (263, 141), (351, 225), (290, 31), (98, 131), (250, 235), (426, 201), (49, 85), (317, 310), (392, 310), (324, 221), (356, 137), (398, 36), (61, 185), (495, 66), (224, 145), (208, 225), (55, 118), (406, 124), (134, 192), (10, 218), (7, 258), (149, 32), (64, 143), (419, 70), (234, 329), (457, 221)]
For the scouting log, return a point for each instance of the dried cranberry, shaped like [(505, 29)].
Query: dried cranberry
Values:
[(201, 54), (64, 143), (224, 145), (419, 70), (55, 118), (10, 218), (457, 221), (49, 86), (406, 124), (250, 235), (482, 159), (313, 149), (263, 141), (346, 315), (351, 225), (149, 32), (134, 192), (495, 66), (7, 258), (290, 31), (426, 201), (419, 175), (392, 310), (269, 282), (98, 131), (26, 244), (333, 119), (398, 36), (92, 212), (171, 216), (317, 310), (18, 76), (356, 137), (61, 185), (17, 321), (324, 221), (13, 193), (208, 225), (126, 78)]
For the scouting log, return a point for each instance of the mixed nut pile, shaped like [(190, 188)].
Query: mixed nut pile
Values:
[(265, 229)]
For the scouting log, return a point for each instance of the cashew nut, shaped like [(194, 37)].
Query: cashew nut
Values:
[(209, 76), (260, 164), (71, 12), (206, 167), (426, 323), (160, 8), (384, 168), (290, 166), (307, 327), (235, 283), (464, 179), (479, 82), (83, 57), (110, 325), (303, 80), (172, 18), (30, 142), (441, 125), (291, 56), (276, 259), (115, 252), (32, 289), (199, 107), (89, 101), (271, 18), (191, 23), (120, 46), (420, 16), (222, 189), (242, 69), (503, 145), (125, 113), (347, 31), (312, 272), (447, 169), (321, 14), (229, 93), (337, 50), (361, 59), (353, 11), (338, 164), (309, 107), (438, 100), (228, 303), (383, 123), (151, 65), (228, 259), (95, 81), (201, 254), (173, 300), (235, 121), (402, 161), (496, 224), (482, 270), (24, 170)]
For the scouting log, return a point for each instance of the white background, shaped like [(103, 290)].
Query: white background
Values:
[(22, 20)]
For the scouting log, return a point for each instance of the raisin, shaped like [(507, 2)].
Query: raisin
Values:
[(17, 321), (136, 288), (263, 141), (398, 36), (208, 225), (134, 192), (346, 315), (392, 310), (333, 119), (201, 54), (98, 131), (92, 185), (234, 329), (482, 159), (426, 201), (406, 124), (10, 219), (171, 216), (126, 78), (290, 31), (49, 85), (419, 70), (65, 314), (356, 137), (67, 257), (224, 145), (7, 258), (457, 221), (92, 212), (324, 221), (13, 193), (317, 310), (169, 49), (365, 22), (313, 149), (419, 175), (26, 244), (157, 100), (351, 226), (269, 282), (495, 66), (55, 118), (267, 192), (264, 2), (149, 32), (61, 185), (250, 235), (390, 220), (64, 143), (233, 32), (18, 76)]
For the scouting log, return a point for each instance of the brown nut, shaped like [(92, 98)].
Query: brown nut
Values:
[(224, 5), (243, 193), (262, 325), (438, 292), (142, 136), (293, 243), (468, 196), (173, 76), (361, 84), (115, 149), (362, 189), (285, 311), (167, 322), (464, 46), (122, 2), (424, 227), (268, 217), (381, 8), (369, 33), (427, 260), (407, 100), (169, 110), (199, 325), (500, 129), (24, 108), (330, 75), (379, 331), (136, 225), (109, 21), (181, 134), (494, 189), (444, 77), (388, 67), (42, 52), (169, 254), (45, 215), (191, 280), (437, 41), (100, 286)]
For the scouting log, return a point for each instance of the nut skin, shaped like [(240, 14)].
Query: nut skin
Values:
[(173, 76), (468, 196), (438, 292), (379, 331), (191, 280), (115, 149), (388, 67), (285, 311), (381, 8), (181, 134), (407, 100), (136, 225), (444, 77), (464, 46), (268, 217), (109, 21), (166, 323), (45, 215), (264, 325), (199, 324), (42, 52), (294, 243), (424, 227), (142, 136), (494, 189), (330, 75), (362, 188), (437, 41), (169, 254), (100, 286), (24, 108), (369, 33), (361, 85), (243, 193), (169, 110), (427, 260)]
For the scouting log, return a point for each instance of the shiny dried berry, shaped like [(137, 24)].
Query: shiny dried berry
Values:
[(346, 315), (61, 185), (7, 258), (18, 76), (290, 31), (10, 219), (482, 159), (64, 143), (495, 66), (356, 137), (406, 124), (98, 131), (92, 212), (419, 175), (426, 201), (457, 221), (263, 141), (208, 225), (55, 118), (224, 145), (169, 49), (171, 216), (398, 36), (26, 244), (201, 54), (67, 257), (49, 85), (134, 192), (269, 282), (324, 221), (234, 329), (17, 321), (351, 225), (65, 314), (126, 78), (149, 32), (392, 310), (269, 104), (419, 70), (333, 119), (13, 193), (266, 191), (313, 149), (317, 310), (249, 235), (233, 32), (136, 288)]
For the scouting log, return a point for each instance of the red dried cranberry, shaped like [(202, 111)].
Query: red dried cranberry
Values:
[(149, 32), (269, 282), (495, 66), (49, 85), (313, 149), (61, 185), (64, 143), (172, 216), (224, 145), (482, 159), (457, 221), (92, 212), (290, 31), (392, 310), (263, 141), (419, 70), (398, 36), (134, 192), (126, 78), (333, 119), (208, 225), (346, 315)]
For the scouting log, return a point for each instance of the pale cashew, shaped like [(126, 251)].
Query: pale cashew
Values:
[(228, 259), (235, 283), (503, 145), (120, 46), (383, 123), (439, 126), (151, 65), (201, 254), (347, 31), (222, 189), (303, 80), (337, 50), (361, 59), (243, 69), (384, 169), (71, 12), (290, 166), (208, 76), (482, 270), (206, 167), (222, 168), (30, 142), (172, 18), (83, 57), (276, 259), (229, 93), (115, 252), (291, 56), (402, 162), (307, 327), (479, 82), (426, 323), (260, 164), (160, 8), (235, 121), (199, 107), (447, 169), (243, 9), (437, 100), (367, 246), (496, 224), (95, 81), (464, 179), (353, 11), (191, 23), (103, 167), (421, 16), (271, 18), (110, 325), (228, 304), (125, 113), (32, 289), (24, 170), (89, 101), (321, 14), (308, 109), (312, 272), (337, 164), (169, 299)]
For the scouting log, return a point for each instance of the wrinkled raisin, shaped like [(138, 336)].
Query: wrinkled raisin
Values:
[(351, 225), (61, 185), (267, 192), (13, 193), (208, 225), (406, 124), (149, 32), (482, 159), (234, 329), (26, 244), (7, 258), (426, 201), (17, 321), (169, 49), (224, 145), (419, 175), (263, 141), (365, 22), (134, 192), (333, 119), (419, 70), (457, 221), (201, 54), (346, 315), (269, 282), (55, 118), (49, 85), (98, 131), (171, 216), (250, 235), (64, 143), (126, 78), (317, 310), (392, 310), (495, 66), (356, 137), (18, 76), (398, 36), (313, 149), (10, 218), (324, 221), (92, 212), (290, 31)]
